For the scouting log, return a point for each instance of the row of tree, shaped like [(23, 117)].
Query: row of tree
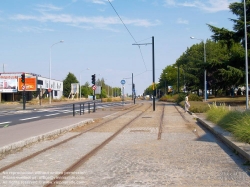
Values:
[(224, 59), (87, 90)]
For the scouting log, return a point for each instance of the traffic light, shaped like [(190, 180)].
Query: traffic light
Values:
[(23, 77), (93, 79)]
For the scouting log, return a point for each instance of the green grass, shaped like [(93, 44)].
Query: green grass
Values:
[(196, 106), (220, 113), (236, 122)]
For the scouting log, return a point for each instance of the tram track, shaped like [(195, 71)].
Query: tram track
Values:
[(63, 175), (161, 123), (139, 109), (2, 169), (188, 123)]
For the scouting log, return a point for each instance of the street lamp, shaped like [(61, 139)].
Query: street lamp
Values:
[(184, 86), (246, 55), (112, 88), (80, 83), (178, 78), (50, 70), (165, 83), (205, 71)]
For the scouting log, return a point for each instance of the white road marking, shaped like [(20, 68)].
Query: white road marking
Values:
[(52, 114), (30, 118), (5, 122)]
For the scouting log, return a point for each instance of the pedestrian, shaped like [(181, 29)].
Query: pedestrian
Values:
[(187, 104)]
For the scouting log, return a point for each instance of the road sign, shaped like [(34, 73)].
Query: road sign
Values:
[(23, 87), (123, 81), (94, 87)]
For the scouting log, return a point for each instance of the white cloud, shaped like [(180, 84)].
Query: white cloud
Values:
[(99, 1), (77, 20), (47, 8), (33, 29), (170, 2), (206, 5), (182, 21)]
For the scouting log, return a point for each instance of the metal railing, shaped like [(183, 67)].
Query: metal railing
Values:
[(82, 108)]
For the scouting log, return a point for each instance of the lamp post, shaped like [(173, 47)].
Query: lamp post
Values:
[(50, 70), (165, 83), (246, 55), (153, 68), (205, 71), (112, 88), (178, 78), (184, 83), (80, 83)]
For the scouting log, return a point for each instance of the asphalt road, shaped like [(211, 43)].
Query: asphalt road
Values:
[(16, 115)]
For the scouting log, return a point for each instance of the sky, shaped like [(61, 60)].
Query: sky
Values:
[(99, 36)]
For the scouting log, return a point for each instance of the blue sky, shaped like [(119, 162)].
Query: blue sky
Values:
[(95, 37)]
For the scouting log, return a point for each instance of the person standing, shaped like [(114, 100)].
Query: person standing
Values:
[(187, 104)]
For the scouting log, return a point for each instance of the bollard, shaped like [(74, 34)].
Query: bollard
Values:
[(74, 110), (83, 108), (94, 107), (89, 107), (80, 109)]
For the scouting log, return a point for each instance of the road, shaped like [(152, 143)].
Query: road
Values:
[(10, 117)]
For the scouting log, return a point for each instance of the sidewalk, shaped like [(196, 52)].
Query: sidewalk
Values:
[(240, 148)]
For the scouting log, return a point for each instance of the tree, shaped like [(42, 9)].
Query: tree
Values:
[(149, 90), (86, 90), (235, 42), (222, 65), (71, 78), (238, 34), (168, 77)]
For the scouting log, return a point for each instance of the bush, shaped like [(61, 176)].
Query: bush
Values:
[(194, 97), (236, 122), (196, 106), (181, 97), (195, 101), (169, 98)]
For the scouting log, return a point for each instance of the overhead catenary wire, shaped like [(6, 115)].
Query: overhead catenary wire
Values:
[(128, 32)]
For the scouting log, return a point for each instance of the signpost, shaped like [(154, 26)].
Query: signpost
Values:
[(123, 82)]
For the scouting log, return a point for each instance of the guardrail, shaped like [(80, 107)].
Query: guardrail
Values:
[(82, 108)]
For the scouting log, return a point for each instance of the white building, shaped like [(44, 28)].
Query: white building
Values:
[(12, 87)]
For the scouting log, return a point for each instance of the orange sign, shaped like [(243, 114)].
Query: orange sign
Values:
[(30, 84)]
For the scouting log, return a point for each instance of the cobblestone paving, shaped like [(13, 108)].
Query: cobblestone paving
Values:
[(185, 156)]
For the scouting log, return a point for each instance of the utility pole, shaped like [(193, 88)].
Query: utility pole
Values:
[(153, 68), (132, 87)]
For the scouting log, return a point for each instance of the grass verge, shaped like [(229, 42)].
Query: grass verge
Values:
[(236, 122)]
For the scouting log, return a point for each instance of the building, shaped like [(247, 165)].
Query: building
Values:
[(12, 87)]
